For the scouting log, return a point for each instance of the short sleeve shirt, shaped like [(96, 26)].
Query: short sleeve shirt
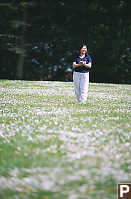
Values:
[(82, 69)]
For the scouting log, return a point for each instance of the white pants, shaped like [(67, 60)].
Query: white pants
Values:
[(81, 82)]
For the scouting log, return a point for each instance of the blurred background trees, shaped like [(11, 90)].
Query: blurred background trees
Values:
[(40, 38)]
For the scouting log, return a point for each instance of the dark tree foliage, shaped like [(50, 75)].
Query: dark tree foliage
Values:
[(39, 39)]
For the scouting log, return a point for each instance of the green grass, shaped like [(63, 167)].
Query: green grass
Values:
[(52, 147)]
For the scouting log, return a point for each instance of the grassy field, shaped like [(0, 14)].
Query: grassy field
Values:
[(52, 147)]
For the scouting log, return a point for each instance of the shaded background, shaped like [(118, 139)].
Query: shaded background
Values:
[(40, 38)]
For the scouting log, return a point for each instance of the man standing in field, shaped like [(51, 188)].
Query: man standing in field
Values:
[(82, 65)]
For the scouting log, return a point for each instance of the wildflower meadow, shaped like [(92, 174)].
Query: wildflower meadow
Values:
[(52, 147)]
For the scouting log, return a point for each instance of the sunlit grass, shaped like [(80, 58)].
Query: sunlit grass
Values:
[(52, 147)]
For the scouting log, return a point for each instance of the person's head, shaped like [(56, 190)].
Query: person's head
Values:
[(83, 49)]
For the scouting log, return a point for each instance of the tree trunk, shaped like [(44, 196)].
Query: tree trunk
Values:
[(21, 42), (20, 67)]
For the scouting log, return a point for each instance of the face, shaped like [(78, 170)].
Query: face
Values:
[(83, 50)]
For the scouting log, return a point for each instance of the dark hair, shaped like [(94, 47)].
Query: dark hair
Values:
[(81, 46)]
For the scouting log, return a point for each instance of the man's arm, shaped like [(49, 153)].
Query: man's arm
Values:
[(75, 65), (87, 65)]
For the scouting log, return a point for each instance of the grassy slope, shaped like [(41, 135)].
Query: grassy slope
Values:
[(52, 147)]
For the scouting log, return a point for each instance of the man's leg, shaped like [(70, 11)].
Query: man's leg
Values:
[(76, 81), (84, 83)]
